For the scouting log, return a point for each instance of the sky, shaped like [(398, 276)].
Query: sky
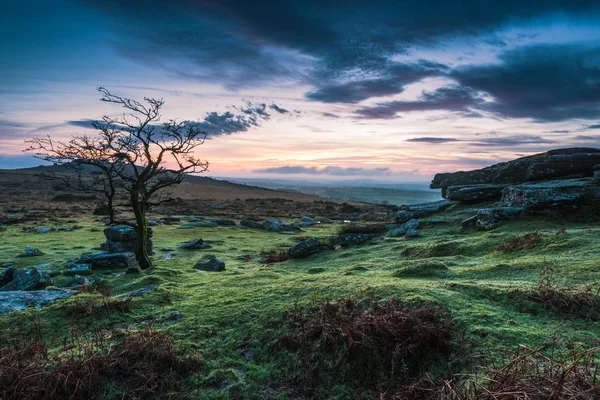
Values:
[(392, 90)]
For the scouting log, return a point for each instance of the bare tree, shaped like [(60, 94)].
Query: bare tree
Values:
[(147, 156), (84, 166)]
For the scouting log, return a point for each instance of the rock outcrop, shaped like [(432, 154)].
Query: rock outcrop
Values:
[(416, 211), (24, 279), (561, 163), (553, 179)]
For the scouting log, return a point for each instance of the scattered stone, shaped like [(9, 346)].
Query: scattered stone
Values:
[(138, 293), (248, 223), (108, 260), (44, 230), (412, 233), (17, 300), (305, 248), (77, 269), (169, 219), (79, 280), (352, 239), (195, 244), (30, 252), (7, 264), (211, 263), (244, 257), (405, 227), (200, 224), (413, 211), (275, 225), (24, 279), (173, 316)]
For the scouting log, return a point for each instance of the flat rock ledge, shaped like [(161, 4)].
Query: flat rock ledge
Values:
[(18, 300)]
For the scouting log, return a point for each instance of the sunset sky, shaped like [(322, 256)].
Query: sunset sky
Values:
[(382, 89)]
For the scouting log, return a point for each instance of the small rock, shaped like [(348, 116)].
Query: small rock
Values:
[(17, 300), (412, 233), (210, 263), (195, 244), (24, 279), (138, 293), (248, 223), (44, 230), (30, 252), (77, 269), (107, 260)]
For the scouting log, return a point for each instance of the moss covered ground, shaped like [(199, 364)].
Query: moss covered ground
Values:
[(227, 313)]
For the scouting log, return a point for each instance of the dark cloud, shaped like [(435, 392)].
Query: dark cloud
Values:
[(586, 137), (393, 80), (330, 115), (11, 129), (432, 140), (83, 123), (278, 109), (338, 171), (343, 49), (541, 82), (561, 131), (595, 126), (448, 98)]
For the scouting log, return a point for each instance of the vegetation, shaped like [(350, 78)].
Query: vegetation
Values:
[(131, 153), (515, 324)]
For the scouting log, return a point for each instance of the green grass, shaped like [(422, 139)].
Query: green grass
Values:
[(242, 306)]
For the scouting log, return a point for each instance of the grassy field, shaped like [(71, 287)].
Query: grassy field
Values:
[(485, 290)]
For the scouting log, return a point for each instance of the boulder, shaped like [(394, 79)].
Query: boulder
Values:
[(414, 211), (199, 224), (474, 193), (550, 165), (248, 223), (123, 239), (17, 300), (352, 239), (405, 227), (44, 230), (469, 222), (305, 248), (275, 225), (539, 195), (224, 222), (138, 293), (195, 244), (210, 263), (30, 252), (108, 260), (77, 269), (24, 279)]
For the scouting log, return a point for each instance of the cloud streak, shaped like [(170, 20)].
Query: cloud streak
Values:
[(337, 171)]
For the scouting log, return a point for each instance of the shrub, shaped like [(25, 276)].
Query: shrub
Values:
[(369, 350), (143, 366), (270, 256), (521, 242)]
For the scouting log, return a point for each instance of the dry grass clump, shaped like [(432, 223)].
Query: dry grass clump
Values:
[(361, 228), (568, 302), (143, 366), (521, 242), (543, 373), (374, 350), (91, 306), (270, 256)]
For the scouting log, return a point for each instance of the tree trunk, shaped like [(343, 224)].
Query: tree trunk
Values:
[(141, 251), (111, 210)]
